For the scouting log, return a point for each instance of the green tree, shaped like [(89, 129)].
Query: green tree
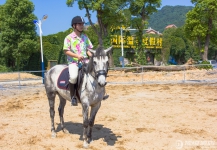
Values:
[(142, 9), (200, 24), (108, 13), (176, 44), (91, 34), (166, 45), (18, 35)]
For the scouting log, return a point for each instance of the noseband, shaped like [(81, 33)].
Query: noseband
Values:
[(101, 72)]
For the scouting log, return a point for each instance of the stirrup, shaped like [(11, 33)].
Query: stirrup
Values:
[(105, 97), (74, 102)]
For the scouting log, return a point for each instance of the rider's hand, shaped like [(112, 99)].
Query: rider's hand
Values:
[(80, 57)]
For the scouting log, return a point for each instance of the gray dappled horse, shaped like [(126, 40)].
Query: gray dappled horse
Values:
[(90, 93)]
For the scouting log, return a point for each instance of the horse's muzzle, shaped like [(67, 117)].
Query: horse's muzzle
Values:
[(101, 77)]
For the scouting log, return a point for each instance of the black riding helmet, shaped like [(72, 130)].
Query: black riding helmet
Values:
[(77, 19)]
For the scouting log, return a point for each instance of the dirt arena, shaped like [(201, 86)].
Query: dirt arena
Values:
[(135, 117)]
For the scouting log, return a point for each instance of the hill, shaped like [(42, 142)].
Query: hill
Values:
[(169, 15)]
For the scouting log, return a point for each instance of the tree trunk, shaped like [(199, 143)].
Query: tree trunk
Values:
[(91, 23), (10, 63), (206, 48), (215, 55), (102, 32), (141, 28), (98, 33), (199, 46), (205, 54), (100, 28)]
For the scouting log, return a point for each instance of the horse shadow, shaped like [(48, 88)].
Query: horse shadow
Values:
[(98, 132)]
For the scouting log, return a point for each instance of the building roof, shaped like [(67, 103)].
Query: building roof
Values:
[(171, 26), (152, 31)]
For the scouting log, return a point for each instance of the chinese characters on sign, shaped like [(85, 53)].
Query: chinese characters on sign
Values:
[(131, 42)]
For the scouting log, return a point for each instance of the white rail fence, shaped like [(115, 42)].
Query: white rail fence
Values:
[(127, 75), (173, 74)]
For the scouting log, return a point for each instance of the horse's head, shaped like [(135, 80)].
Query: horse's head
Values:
[(100, 64)]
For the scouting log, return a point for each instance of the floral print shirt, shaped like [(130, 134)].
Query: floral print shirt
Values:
[(77, 45)]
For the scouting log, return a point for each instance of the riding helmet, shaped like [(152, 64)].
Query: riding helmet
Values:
[(77, 19)]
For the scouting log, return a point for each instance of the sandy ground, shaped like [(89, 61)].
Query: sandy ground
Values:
[(143, 116), (135, 117)]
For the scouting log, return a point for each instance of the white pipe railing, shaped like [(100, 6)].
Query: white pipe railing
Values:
[(119, 75)]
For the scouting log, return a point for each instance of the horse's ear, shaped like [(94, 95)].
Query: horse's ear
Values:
[(108, 49), (91, 50)]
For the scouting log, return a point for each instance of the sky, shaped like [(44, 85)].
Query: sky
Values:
[(60, 15)]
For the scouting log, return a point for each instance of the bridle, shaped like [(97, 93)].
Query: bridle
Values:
[(104, 72), (101, 72)]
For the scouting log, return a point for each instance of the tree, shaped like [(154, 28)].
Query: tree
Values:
[(18, 35), (108, 14), (200, 23), (177, 45), (143, 9)]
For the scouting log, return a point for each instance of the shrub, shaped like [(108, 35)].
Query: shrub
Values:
[(205, 65), (3, 68)]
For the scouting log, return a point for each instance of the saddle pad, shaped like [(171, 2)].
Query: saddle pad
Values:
[(63, 79)]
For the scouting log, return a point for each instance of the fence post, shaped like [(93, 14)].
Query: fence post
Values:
[(184, 74), (19, 79), (142, 74)]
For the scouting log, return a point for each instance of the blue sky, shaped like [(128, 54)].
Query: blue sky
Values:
[(59, 15)]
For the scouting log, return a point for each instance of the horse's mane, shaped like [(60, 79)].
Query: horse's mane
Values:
[(99, 52)]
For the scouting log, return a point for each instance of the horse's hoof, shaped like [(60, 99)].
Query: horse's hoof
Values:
[(66, 131), (53, 134), (90, 141), (85, 145)]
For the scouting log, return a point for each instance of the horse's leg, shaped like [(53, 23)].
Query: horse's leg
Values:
[(85, 112), (51, 99), (88, 123), (61, 112), (93, 112)]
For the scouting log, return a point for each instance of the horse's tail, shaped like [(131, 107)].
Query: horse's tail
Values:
[(45, 77)]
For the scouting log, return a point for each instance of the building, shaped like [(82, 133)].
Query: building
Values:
[(152, 31), (171, 26)]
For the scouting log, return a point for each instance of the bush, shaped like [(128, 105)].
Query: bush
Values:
[(205, 65), (3, 68)]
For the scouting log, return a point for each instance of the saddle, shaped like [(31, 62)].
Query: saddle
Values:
[(63, 79)]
